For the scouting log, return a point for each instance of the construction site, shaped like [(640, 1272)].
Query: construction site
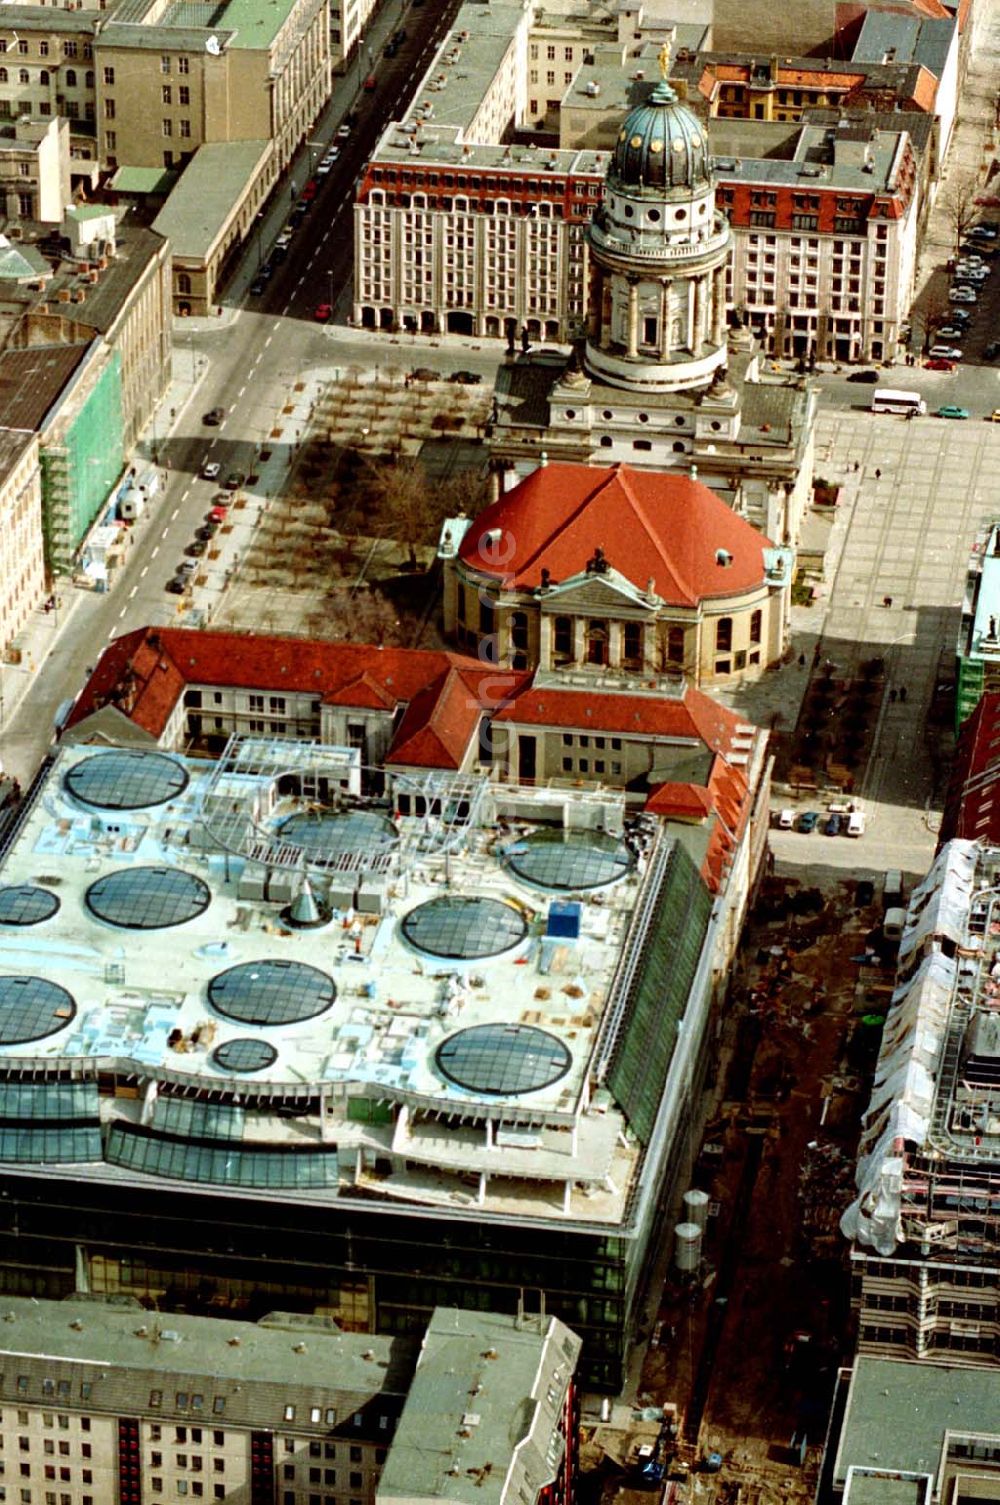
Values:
[(736, 1377)]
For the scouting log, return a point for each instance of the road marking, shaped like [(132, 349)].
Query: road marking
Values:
[(185, 493), (174, 513), (144, 571), (276, 324), (165, 532), (268, 340), (242, 390), (155, 552), (132, 591), (122, 612)]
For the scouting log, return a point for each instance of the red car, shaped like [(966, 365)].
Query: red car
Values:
[(309, 191), (323, 312), (939, 364), (218, 514)]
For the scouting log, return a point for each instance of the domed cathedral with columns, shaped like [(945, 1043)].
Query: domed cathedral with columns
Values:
[(661, 381)]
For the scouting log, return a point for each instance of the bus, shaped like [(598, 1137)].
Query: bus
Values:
[(886, 400)]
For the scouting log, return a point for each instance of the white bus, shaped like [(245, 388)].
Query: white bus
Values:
[(886, 400)]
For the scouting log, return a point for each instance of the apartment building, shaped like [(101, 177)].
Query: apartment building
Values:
[(22, 557), (924, 1228)]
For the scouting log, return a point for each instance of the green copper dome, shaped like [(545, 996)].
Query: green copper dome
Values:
[(661, 145)]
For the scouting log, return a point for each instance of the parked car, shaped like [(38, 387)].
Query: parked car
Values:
[(323, 312), (856, 823), (257, 286), (946, 352), (210, 470), (370, 84), (967, 271), (424, 373), (992, 350), (234, 480), (951, 332), (390, 49), (939, 363), (808, 821), (958, 293), (951, 410), (343, 131), (214, 417), (466, 378), (222, 499), (196, 548), (333, 154), (786, 820), (831, 826), (309, 191), (207, 530), (324, 169), (994, 416), (869, 377), (177, 586), (187, 568), (986, 229)]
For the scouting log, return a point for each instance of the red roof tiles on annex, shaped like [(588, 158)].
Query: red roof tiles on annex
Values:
[(652, 526)]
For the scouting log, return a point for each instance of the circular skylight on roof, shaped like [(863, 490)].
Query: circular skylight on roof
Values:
[(464, 928), (123, 780), (503, 1060), (569, 860), (148, 898), (271, 992), (326, 835), (31, 1008), (244, 1055), (26, 904)]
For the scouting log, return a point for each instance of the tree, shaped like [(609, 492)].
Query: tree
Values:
[(958, 202), (405, 505)]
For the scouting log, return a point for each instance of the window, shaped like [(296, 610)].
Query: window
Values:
[(109, 109), (69, 49), (289, 1410), (164, 65), (756, 622), (184, 95), (3, 75), (167, 127), (632, 645), (597, 642), (183, 65), (167, 94), (109, 76), (724, 635), (24, 77), (22, 47), (562, 639), (111, 140), (650, 330)]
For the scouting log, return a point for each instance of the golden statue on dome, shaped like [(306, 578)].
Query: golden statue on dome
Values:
[(663, 58)]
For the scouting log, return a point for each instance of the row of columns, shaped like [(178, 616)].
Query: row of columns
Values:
[(708, 318)]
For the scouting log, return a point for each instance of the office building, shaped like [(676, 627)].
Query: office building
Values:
[(978, 645)]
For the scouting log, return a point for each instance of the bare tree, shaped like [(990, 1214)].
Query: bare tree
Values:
[(958, 201), (406, 505)]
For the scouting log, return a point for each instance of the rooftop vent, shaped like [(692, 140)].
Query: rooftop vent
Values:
[(723, 558), (593, 89)]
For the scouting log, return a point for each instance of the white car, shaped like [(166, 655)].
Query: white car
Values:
[(343, 131), (972, 270), (962, 295), (210, 471), (990, 232), (324, 169), (945, 352), (786, 820), (856, 823)]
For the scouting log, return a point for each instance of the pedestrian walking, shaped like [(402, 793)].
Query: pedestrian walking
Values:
[(892, 697), (902, 693), (878, 474)]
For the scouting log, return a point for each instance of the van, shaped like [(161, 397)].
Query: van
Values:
[(892, 925), (856, 823), (892, 889), (786, 820)]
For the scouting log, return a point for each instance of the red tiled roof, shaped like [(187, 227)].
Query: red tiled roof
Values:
[(651, 526), (691, 715), (145, 673), (679, 801), (441, 720)]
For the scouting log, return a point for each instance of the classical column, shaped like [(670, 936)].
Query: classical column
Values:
[(579, 640), (719, 307), (697, 317), (665, 340), (614, 645), (596, 302), (633, 318)]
